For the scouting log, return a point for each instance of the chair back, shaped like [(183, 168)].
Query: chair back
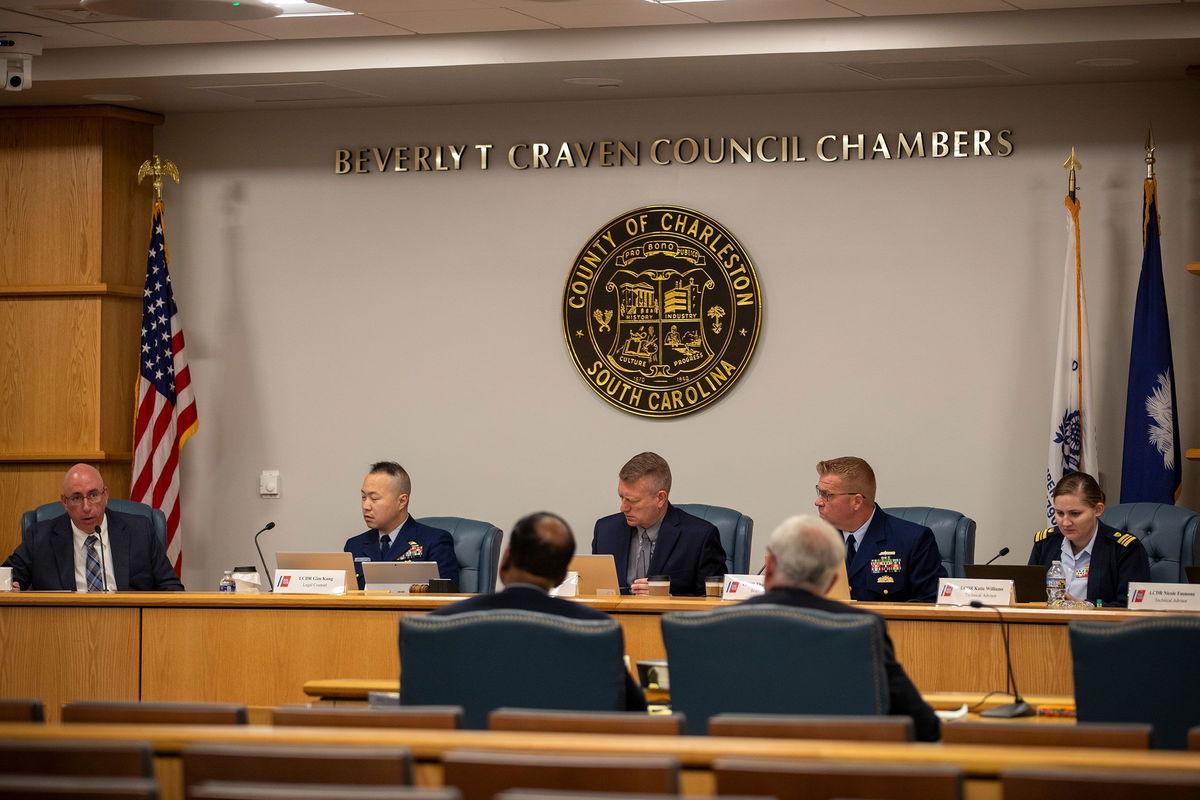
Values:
[(477, 548), (434, 717), (483, 660), (1168, 533), (736, 530), (825, 780), (1126, 735), (954, 532), (812, 726), (53, 787), (623, 722), (158, 520), (307, 764), (759, 658), (1162, 691), (1098, 783), (254, 790), (22, 711), (134, 713), (84, 757), (480, 775)]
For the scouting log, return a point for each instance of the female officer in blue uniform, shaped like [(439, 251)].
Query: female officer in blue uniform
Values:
[(1099, 561)]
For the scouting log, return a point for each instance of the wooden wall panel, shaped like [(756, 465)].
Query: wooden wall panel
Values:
[(120, 338), (50, 233), (51, 356), (126, 205)]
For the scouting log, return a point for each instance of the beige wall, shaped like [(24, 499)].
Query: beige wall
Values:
[(911, 308)]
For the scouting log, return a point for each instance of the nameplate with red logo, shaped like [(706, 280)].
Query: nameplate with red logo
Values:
[(1164, 597), (310, 581), (739, 587), (963, 591)]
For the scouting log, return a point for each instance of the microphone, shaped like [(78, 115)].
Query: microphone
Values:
[(103, 569), (265, 528), (1003, 552), (1018, 707)]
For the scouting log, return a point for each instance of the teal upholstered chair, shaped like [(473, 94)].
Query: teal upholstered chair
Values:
[(477, 548), (483, 660), (158, 520), (955, 534), (735, 528), (1167, 532), (770, 659), (1138, 670)]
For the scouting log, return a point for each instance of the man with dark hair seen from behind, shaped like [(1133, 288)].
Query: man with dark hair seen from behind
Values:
[(394, 534), (539, 549), (92, 548), (649, 536), (803, 556), (887, 559)]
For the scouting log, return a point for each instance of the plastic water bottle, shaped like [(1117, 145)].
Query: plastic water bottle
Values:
[(1056, 584), (227, 582)]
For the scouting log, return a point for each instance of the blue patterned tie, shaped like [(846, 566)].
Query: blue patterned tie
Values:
[(94, 581), (643, 555)]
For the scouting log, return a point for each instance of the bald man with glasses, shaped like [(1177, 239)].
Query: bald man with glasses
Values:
[(91, 548), (887, 559)]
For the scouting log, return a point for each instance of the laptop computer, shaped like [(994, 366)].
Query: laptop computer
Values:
[(397, 576), (597, 574), (342, 561), (1029, 580)]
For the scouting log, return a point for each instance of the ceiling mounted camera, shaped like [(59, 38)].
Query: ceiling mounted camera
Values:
[(17, 50)]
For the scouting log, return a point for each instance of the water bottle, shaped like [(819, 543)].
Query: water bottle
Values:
[(1056, 585), (227, 582)]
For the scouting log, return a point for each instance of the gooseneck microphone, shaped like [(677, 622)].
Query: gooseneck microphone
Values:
[(1018, 707), (265, 528), (1003, 552), (103, 569)]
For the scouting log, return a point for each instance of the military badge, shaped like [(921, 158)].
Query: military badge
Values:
[(661, 311), (415, 552)]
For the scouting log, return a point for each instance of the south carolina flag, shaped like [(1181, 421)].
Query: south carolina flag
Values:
[(1072, 431), (1150, 469)]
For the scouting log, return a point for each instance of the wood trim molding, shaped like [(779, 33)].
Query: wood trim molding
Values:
[(77, 290)]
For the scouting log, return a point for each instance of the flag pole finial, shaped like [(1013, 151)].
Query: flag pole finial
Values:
[(1072, 164), (1150, 153), (156, 167)]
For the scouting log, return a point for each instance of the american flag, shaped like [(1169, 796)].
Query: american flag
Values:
[(165, 413)]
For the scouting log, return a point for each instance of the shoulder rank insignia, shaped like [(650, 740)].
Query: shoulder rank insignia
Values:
[(1040, 535), (1124, 539)]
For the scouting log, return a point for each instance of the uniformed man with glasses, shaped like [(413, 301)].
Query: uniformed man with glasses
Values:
[(91, 548)]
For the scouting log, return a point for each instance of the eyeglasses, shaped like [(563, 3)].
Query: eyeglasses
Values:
[(92, 497), (827, 496)]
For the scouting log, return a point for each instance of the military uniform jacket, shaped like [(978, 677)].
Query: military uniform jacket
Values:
[(897, 561), (1117, 559), (415, 541)]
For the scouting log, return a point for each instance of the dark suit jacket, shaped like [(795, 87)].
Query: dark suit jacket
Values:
[(688, 549), (45, 559), (897, 561), (1117, 559), (530, 598), (414, 542), (904, 698)]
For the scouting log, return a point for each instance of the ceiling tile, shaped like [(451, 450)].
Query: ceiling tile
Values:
[(891, 8), (765, 10), (172, 32), (321, 27), (602, 13), (462, 20), (1030, 5)]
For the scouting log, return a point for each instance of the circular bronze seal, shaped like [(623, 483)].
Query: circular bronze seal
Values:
[(661, 311)]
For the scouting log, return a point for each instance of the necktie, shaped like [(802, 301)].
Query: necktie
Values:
[(94, 581), (385, 542), (643, 555), (850, 550)]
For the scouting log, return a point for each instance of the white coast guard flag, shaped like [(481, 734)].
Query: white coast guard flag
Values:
[(1072, 430)]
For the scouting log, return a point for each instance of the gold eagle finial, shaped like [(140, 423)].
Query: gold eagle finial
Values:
[(156, 167)]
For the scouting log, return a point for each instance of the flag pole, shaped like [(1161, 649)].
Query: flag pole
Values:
[(1072, 164), (1150, 153)]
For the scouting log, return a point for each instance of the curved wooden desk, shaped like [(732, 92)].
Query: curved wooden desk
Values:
[(260, 650)]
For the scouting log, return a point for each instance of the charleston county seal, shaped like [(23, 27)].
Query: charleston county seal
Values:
[(661, 311)]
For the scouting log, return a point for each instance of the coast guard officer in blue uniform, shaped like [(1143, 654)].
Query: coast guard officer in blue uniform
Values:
[(887, 559), (394, 534)]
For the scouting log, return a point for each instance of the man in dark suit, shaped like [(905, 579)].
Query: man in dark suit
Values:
[(649, 536), (91, 549), (887, 558), (802, 566), (539, 549), (394, 534)]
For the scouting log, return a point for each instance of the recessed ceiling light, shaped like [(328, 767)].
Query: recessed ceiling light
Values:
[(599, 83), (299, 8), (111, 98), (673, 2), (1107, 62), (217, 10)]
